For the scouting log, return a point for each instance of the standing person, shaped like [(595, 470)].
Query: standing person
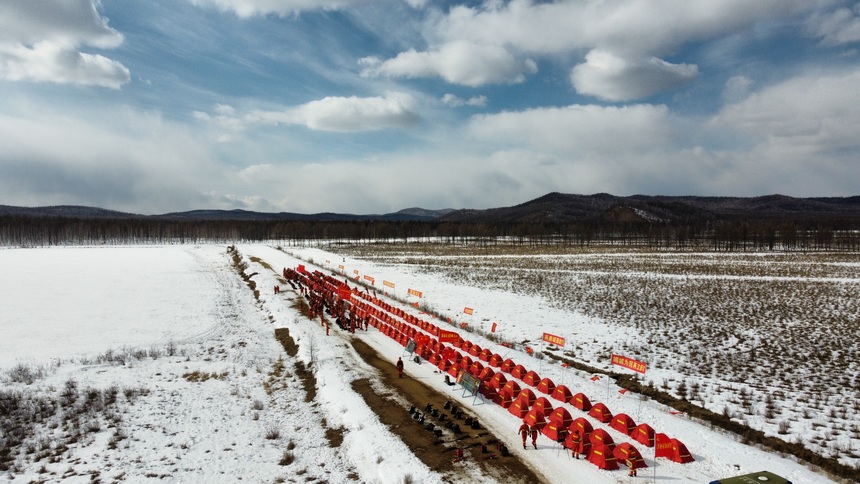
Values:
[(399, 367), (630, 465), (534, 436), (524, 433), (575, 441)]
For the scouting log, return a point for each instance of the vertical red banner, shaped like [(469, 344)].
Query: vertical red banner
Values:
[(493, 329)]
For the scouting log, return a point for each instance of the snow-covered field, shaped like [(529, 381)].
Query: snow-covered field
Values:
[(136, 363)]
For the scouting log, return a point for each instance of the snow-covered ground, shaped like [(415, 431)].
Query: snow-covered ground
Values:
[(161, 364)]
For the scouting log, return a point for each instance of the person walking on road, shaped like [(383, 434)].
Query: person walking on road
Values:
[(524, 433), (534, 436), (399, 367)]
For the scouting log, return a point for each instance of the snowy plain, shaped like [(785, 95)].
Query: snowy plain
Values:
[(173, 312)]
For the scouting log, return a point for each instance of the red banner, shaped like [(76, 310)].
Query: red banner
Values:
[(628, 363), (493, 329), (355, 271), (301, 269), (553, 339), (448, 336), (663, 446), (368, 278), (388, 284), (413, 292), (468, 311), (344, 293)]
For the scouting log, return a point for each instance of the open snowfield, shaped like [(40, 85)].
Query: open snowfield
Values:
[(158, 363)]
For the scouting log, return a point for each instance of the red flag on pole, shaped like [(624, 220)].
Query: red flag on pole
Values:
[(493, 329), (595, 378), (622, 391)]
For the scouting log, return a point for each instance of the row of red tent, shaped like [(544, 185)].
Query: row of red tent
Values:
[(596, 444)]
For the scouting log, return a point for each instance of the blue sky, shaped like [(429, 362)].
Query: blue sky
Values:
[(371, 106)]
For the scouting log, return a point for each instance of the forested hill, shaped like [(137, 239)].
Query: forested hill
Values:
[(559, 207)]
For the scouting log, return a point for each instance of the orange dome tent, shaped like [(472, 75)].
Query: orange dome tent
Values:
[(600, 412)]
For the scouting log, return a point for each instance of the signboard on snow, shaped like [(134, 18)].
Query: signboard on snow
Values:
[(629, 363)]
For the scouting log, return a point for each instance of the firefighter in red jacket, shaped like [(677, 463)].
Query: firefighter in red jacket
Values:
[(631, 464), (524, 433), (534, 436), (400, 367), (575, 441)]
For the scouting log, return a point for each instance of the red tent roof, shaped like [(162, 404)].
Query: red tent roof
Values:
[(499, 380), (554, 430), (582, 426), (581, 402), (495, 360), (561, 414), (602, 457), (643, 434), (623, 423), (600, 412), (529, 396), (562, 394), (519, 408), (531, 378), (507, 365), (513, 387), (518, 371), (542, 404), (535, 418), (600, 436), (546, 386)]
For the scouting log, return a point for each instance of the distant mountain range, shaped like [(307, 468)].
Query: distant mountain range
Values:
[(553, 207)]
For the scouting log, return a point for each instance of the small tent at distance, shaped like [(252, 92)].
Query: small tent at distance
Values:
[(763, 477)]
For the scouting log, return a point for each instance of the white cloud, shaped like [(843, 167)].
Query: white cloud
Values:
[(736, 89), (612, 78), (250, 8), (579, 128), (456, 102), (458, 62), (40, 40), (347, 114), (841, 26), (811, 114)]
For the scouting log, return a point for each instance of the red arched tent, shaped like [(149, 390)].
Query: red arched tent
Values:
[(434, 359), (513, 387), (498, 381), (582, 426), (508, 365), (561, 414), (476, 368), (505, 398), (602, 457), (531, 378), (486, 374), (554, 430), (454, 371), (601, 437), (518, 371), (490, 393), (600, 412), (485, 355), (528, 395), (623, 423), (475, 350), (495, 360), (542, 404), (535, 418), (625, 451), (546, 386), (644, 434), (519, 408), (466, 345), (562, 394), (444, 365), (581, 402), (465, 363)]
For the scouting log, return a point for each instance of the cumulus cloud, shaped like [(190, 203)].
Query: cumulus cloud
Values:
[(40, 41), (458, 62), (612, 78), (456, 101), (347, 114), (840, 26), (250, 8)]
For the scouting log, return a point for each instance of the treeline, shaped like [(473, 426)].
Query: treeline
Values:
[(718, 235)]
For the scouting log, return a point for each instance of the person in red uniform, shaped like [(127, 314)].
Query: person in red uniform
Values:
[(524, 433), (632, 466), (575, 441), (534, 436), (400, 367)]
